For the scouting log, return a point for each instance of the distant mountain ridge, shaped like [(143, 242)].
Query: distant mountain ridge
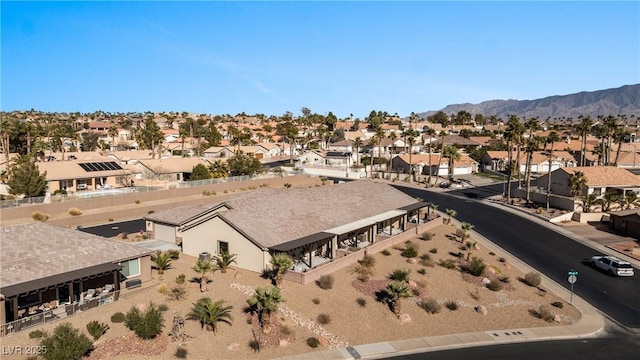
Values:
[(624, 100)]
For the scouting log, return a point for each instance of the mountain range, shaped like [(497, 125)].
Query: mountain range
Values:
[(624, 100)]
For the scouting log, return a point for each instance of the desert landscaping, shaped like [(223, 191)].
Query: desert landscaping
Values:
[(349, 311)]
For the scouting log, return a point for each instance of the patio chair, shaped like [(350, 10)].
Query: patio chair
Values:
[(90, 294), (107, 289)]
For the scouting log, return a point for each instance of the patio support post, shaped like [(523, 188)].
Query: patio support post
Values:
[(14, 307), (71, 294), (334, 246)]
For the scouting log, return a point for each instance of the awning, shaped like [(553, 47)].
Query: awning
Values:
[(415, 206), (356, 225), (302, 241), (386, 215), (54, 280)]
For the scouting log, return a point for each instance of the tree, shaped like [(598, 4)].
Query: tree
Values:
[(451, 152), (357, 143), (89, 141), (533, 143), (265, 301), (219, 169), (466, 228), (431, 132), (411, 136), (244, 164), (451, 214), (289, 131), (609, 199), (224, 261), (149, 136), (584, 128), (161, 261), (203, 267), (551, 139), (66, 343), (281, 263), (200, 172), (630, 199), (619, 136), (210, 313), (577, 182), (589, 201), (396, 291), (377, 137), (25, 178)]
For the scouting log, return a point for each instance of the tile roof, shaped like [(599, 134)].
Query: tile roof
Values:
[(605, 175), (172, 165), (34, 251), (64, 170)]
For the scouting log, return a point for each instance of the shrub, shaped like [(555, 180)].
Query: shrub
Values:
[(409, 252), (451, 305), (38, 216), (316, 301), (137, 201), (180, 279), (285, 330), (476, 267), (545, 313), (410, 244), (151, 212), (364, 273), (425, 260), (426, 236), (163, 307), (385, 252), (75, 211), (163, 289), (505, 279), (110, 219), (502, 260), (361, 301), (117, 317), (495, 285), (532, 279), (174, 255), (367, 261), (400, 275), (254, 344), (433, 251), (66, 343), (60, 192), (313, 342), (176, 293), (37, 334), (491, 253), (325, 282), (557, 304), (147, 324), (125, 236), (181, 353), (422, 271), (324, 319), (96, 329), (430, 305), (448, 264)]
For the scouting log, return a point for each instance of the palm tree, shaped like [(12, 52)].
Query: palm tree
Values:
[(609, 199), (584, 128), (430, 132), (577, 183), (162, 261), (219, 169), (533, 143), (203, 267), (396, 291), (619, 136), (281, 263), (379, 135), (451, 152), (552, 138), (224, 261), (210, 313), (466, 228), (411, 139), (265, 301), (113, 132), (451, 213), (469, 245), (630, 199), (588, 202), (516, 130), (323, 180), (357, 143)]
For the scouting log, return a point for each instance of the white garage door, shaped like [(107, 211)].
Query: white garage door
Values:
[(165, 233)]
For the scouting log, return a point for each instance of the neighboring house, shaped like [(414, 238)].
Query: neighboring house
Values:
[(42, 264), (83, 174), (313, 157), (342, 146), (310, 224), (218, 152), (599, 180), (498, 160), (457, 140), (439, 166), (131, 156), (273, 149), (169, 169)]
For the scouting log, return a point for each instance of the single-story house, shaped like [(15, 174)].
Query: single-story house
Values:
[(48, 266), (498, 160), (169, 169), (312, 225), (599, 180), (83, 175), (423, 164)]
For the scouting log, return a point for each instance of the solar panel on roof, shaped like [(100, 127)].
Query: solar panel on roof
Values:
[(100, 166), (84, 166), (93, 167)]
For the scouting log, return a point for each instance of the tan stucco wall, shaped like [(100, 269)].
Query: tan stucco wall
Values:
[(205, 237)]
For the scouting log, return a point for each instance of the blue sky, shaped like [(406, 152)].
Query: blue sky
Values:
[(345, 57)]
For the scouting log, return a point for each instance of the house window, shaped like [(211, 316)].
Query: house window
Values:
[(130, 268), (223, 247)]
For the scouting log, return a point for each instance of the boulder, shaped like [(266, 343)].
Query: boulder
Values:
[(412, 284), (557, 318), (323, 341), (283, 342), (481, 309), (405, 318), (485, 281), (412, 261)]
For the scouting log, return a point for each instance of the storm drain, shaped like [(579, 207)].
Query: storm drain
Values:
[(505, 334)]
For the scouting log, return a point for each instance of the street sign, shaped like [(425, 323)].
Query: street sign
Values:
[(573, 272), (572, 279)]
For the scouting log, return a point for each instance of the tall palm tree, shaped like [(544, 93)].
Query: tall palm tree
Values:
[(584, 128), (357, 143), (224, 261), (451, 152), (516, 129), (210, 313), (281, 263), (396, 291), (265, 301), (430, 132), (411, 139), (619, 136), (219, 169), (533, 143), (451, 214), (577, 182), (551, 139), (379, 135), (204, 267), (161, 261)]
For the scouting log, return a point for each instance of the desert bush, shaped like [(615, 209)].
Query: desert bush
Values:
[(323, 319), (448, 263), (150, 212), (125, 236), (96, 329), (367, 261), (285, 330), (505, 279), (313, 342), (495, 285), (137, 201), (409, 252), (180, 279), (545, 313), (253, 344), (433, 251), (75, 211), (37, 334), (117, 317), (400, 275), (174, 254), (491, 253), (426, 236), (532, 279), (557, 304), (451, 305), (163, 307), (430, 305), (325, 282), (181, 353), (147, 324), (66, 343), (38, 216), (163, 289), (422, 271), (426, 260), (363, 273), (361, 301), (476, 266), (110, 219), (316, 301), (385, 252)]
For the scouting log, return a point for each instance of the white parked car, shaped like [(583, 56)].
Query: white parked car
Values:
[(612, 265)]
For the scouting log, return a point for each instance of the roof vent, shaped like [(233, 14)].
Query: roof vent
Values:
[(47, 261), (13, 268)]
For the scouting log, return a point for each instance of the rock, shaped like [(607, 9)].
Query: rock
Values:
[(141, 307), (557, 318), (412, 261), (485, 281), (491, 270), (405, 318), (233, 347), (237, 275), (323, 341), (481, 309), (412, 284), (283, 342)]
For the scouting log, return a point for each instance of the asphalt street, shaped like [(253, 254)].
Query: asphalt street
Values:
[(113, 229)]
